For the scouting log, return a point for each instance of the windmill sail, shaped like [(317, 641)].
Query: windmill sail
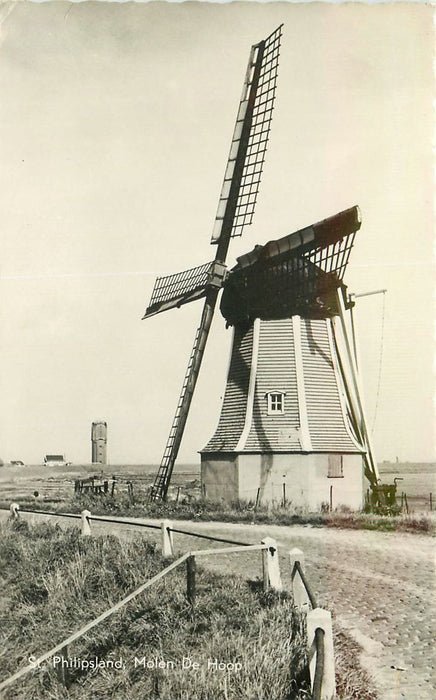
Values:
[(236, 207), (174, 290), (250, 138)]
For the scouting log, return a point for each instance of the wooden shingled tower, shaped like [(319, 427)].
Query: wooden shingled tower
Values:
[(292, 418), (292, 423)]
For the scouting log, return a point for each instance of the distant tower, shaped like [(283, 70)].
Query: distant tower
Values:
[(98, 442)]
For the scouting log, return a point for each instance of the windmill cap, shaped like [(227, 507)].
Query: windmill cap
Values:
[(319, 235)]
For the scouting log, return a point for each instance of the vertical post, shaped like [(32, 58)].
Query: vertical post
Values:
[(62, 670), (407, 505), (356, 396), (431, 501), (86, 525), (167, 539), (14, 508), (331, 498), (178, 494), (130, 490), (270, 565), (284, 494), (301, 599), (257, 499), (190, 579), (322, 619), (353, 333)]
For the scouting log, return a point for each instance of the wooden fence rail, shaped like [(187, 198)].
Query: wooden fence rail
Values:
[(321, 654), (319, 624), (319, 631), (90, 625)]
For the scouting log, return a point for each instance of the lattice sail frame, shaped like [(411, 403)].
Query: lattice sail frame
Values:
[(173, 290), (262, 109), (332, 259)]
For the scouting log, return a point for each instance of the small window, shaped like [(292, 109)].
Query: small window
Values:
[(336, 466), (276, 403)]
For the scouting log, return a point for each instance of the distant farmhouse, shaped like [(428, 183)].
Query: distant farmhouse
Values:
[(55, 461)]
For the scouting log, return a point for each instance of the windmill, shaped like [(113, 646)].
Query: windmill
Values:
[(297, 276), (292, 417)]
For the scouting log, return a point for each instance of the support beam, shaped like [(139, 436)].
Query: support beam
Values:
[(251, 387), (356, 393), (369, 294), (305, 439)]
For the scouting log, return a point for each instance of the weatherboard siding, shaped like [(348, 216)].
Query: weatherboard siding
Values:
[(327, 426), (232, 418), (275, 373)]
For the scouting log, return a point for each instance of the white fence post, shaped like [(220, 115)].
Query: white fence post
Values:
[(86, 525), (167, 539), (14, 508), (319, 618), (270, 565), (301, 599)]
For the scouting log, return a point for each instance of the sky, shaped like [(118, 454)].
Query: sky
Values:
[(115, 124)]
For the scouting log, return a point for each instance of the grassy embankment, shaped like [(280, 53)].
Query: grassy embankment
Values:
[(238, 512), (54, 581)]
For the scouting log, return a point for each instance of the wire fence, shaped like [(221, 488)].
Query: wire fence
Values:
[(136, 523), (77, 516), (208, 537)]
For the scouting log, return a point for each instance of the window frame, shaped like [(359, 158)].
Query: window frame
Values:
[(274, 399)]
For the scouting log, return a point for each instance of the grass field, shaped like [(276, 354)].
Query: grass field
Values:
[(57, 483), (55, 486), (417, 480), (54, 581)]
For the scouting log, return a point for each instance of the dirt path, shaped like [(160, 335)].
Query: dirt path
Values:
[(379, 586)]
